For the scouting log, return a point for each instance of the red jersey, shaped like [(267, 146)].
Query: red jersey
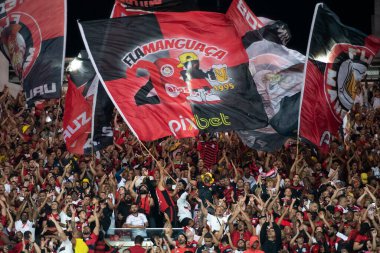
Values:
[(236, 236)]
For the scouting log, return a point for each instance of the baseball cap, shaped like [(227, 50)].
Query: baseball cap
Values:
[(25, 128), (85, 180)]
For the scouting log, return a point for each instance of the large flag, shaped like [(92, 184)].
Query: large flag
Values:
[(32, 37), (338, 58), (175, 73), (103, 108), (14, 89), (278, 74), (84, 77)]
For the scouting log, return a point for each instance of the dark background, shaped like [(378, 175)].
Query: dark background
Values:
[(296, 13)]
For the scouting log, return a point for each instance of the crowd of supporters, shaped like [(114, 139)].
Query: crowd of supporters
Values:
[(225, 196)]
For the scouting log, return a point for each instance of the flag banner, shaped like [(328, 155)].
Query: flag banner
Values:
[(32, 37), (13, 89), (264, 139), (274, 30), (338, 57), (278, 74), (83, 76), (76, 119), (102, 132), (175, 73), (243, 18), (158, 5)]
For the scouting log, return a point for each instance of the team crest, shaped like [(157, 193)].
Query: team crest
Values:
[(167, 70), (346, 65), (19, 43)]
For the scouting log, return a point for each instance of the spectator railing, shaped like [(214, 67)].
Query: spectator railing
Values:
[(124, 238)]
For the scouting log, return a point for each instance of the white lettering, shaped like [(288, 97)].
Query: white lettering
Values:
[(352, 52), (244, 10), (364, 59), (333, 94), (331, 75), (107, 131), (41, 90), (75, 125), (175, 125), (8, 5)]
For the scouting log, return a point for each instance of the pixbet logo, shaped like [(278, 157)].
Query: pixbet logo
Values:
[(183, 124), (186, 124)]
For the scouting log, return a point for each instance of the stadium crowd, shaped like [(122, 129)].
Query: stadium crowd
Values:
[(225, 196)]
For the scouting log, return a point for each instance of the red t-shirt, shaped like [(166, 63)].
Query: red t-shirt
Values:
[(361, 238), (91, 242), (137, 249), (236, 236), (228, 194), (181, 250)]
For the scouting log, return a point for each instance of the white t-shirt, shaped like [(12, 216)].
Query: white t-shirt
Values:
[(184, 208), (376, 103), (65, 247), (376, 172), (138, 220), (28, 226), (215, 222)]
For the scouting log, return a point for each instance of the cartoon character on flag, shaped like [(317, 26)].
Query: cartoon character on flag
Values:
[(200, 83)]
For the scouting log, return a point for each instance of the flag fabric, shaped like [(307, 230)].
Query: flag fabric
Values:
[(264, 139), (177, 74), (243, 18), (32, 37), (76, 119), (123, 8), (278, 74), (83, 76), (338, 57), (14, 89), (159, 5), (102, 131)]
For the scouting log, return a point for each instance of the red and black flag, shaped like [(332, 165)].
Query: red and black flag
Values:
[(32, 37), (83, 76), (338, 57), (76, 119), (243, 18), (175, 73), (277, 72), (158, 5)]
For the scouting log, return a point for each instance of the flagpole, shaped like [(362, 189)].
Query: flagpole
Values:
[(57, 114), (305, 72), (142, 144)]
